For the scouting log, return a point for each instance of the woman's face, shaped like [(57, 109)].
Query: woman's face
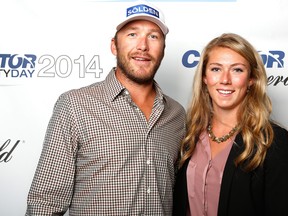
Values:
[(227, 77)]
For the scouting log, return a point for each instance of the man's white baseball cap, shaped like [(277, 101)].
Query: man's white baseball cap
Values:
[(143, 10)]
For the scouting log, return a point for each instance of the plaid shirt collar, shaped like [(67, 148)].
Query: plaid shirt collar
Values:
[(114, 88)]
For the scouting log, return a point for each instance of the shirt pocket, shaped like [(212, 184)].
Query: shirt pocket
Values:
[(191, 170)]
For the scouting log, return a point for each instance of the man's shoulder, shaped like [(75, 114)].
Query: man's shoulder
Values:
[(174, 104), (172, 101), (92, 90)]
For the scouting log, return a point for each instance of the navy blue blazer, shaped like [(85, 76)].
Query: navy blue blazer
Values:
[(262, 192)]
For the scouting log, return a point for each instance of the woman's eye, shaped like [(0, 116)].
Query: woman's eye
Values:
[(215, 69), (238, 70)]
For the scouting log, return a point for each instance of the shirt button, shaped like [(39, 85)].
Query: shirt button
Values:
[(148, 162), (148, 190)]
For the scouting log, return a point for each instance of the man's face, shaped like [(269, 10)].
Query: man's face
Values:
[(139, 49)]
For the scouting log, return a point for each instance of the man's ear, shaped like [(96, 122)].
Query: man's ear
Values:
[(113, 47)]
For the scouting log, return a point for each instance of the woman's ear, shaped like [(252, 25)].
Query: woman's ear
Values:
[(204, 79), (251, 82)]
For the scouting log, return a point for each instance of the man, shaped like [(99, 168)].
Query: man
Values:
[(111, 147)]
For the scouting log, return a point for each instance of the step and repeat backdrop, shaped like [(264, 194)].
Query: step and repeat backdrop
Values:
[(48, 47)]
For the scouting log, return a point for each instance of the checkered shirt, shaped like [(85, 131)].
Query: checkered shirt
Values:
[(102, 157)]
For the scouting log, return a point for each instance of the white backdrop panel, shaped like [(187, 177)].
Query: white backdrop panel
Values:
[(45, 45)]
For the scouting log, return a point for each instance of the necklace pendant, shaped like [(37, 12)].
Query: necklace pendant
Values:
[(223, 138), (218, 140)]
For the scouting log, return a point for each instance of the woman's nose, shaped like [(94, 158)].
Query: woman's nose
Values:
[(226, 79)]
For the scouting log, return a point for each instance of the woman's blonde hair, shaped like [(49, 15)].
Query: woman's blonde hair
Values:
[(254, 118)]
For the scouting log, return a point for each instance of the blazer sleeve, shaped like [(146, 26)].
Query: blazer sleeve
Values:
[(276, 174)]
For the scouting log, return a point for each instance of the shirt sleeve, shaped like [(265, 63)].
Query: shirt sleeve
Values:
[(52, 187)]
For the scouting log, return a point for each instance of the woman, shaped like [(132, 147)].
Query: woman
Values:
[(234, 159)]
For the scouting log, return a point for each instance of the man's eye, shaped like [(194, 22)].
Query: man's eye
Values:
[(154, 36)]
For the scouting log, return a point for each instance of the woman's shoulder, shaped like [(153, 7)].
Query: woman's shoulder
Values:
[(279, 130), (279, 147)]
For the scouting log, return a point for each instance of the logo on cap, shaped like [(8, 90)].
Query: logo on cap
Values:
[(142, 9)]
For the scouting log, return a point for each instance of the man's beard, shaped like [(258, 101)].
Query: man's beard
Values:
[(128, 71)]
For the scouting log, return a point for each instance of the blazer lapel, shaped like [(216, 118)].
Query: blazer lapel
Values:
[(228, 174), (180, 196)]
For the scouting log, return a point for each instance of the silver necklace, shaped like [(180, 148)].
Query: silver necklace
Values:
[(223, 138)]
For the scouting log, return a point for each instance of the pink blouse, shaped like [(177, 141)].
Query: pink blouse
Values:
[(204, 176)]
